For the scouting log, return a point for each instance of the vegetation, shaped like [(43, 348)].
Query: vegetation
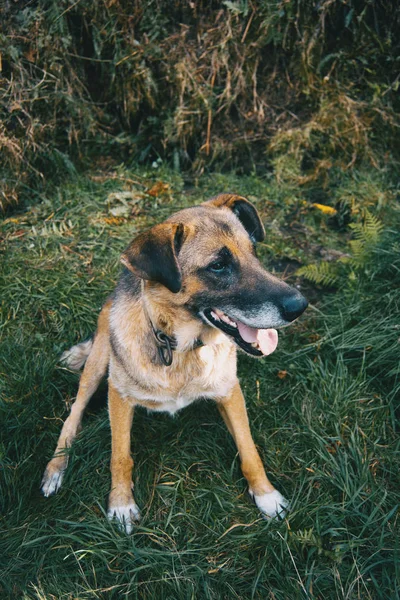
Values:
[(323, 407), (113, 114), (293, 86)]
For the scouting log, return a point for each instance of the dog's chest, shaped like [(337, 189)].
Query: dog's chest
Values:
[(208, 372)]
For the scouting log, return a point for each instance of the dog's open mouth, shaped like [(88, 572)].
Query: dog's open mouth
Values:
[(258, 342)]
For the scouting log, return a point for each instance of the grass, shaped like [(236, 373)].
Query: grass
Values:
[(322, 410)]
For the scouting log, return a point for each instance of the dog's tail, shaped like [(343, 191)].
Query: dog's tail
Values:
[(75, 357)]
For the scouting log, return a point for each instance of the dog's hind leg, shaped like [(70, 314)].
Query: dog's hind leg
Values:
[(95, 368), (233, 410)]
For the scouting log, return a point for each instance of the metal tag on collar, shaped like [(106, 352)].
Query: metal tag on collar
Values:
[(165, 348)]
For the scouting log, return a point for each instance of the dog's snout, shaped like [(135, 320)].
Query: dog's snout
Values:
[(293, 306)]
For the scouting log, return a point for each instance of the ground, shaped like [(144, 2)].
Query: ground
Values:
[(322, 410)]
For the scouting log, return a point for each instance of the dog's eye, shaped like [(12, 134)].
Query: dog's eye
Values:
[(217, 266)]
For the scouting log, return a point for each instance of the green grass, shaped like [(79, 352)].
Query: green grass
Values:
[(322, 410)]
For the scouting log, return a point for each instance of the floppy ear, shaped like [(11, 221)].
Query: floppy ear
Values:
[(245, 212), (152, 255)]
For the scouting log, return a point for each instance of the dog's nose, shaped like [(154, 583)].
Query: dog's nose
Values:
[(293, 306)]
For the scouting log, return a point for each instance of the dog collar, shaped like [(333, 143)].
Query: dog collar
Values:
[(167, 344)]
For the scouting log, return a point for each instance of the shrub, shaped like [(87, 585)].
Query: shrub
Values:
[(290, 85)]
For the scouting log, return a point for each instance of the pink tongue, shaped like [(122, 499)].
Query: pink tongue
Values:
[(267, 339)]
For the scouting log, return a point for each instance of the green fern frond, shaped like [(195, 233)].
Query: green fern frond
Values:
[(366, 236), (323, 273), (369, 230), (357, 247)]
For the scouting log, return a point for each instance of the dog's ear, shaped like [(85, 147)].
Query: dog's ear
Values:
[(245, 212), (153, 255)]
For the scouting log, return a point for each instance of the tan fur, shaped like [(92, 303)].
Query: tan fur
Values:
[(207, 371), (121, 415), (95, 369), (124, 343), (233, 411)]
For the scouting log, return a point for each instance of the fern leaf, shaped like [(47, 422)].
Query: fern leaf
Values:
[(323, 273), (366, 237), (369, 230)]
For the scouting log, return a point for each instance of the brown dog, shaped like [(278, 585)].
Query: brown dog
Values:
[(192, 290)]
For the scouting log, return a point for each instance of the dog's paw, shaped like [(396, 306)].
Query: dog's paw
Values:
[(51, 482), (125, 515), (271, 505)]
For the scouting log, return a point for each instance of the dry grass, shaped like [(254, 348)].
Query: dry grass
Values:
[(245, 85)]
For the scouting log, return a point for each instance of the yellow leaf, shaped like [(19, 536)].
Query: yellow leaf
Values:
[(327, 210), (158, 189)]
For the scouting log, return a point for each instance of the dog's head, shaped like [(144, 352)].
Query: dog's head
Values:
[(203, 258)]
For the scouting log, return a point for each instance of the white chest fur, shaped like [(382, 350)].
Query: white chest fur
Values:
[(208, 372)]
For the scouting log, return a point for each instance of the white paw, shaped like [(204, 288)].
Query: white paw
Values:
[(125, 515), (51, 483), (271, 504)]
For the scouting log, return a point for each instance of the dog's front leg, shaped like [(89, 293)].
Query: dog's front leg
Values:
[(233, 410), (95, 368), (121, 504)]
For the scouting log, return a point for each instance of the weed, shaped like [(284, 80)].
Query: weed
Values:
[(348, 267)]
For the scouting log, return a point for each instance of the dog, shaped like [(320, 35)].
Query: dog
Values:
[(191, 292)]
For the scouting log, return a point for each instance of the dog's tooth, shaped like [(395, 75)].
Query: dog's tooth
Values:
[(214, 315), (226, 319), (218, 314)]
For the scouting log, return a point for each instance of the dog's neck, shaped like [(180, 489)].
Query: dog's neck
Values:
[(175, 330), (168, 338)]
